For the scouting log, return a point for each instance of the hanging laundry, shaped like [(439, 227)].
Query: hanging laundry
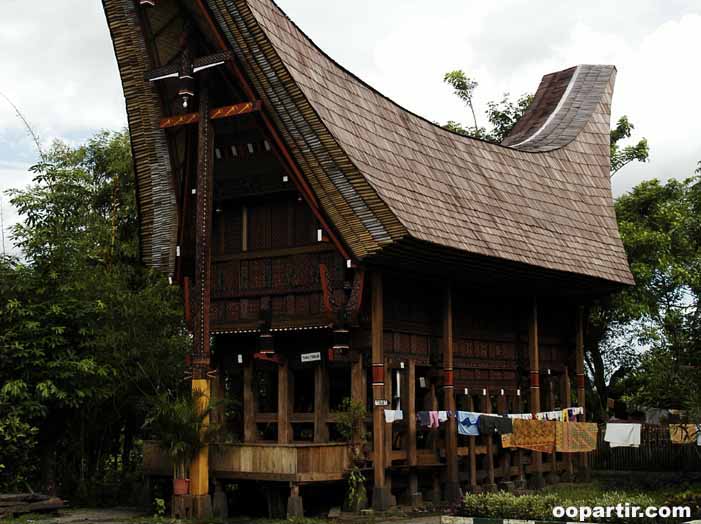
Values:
[(506, 440), (494, 424), (683, 433), (442, 416), (549, 415), (575, 437), (468, 423), (565, 415), (623, 435), (434, 421), (522, 416), (393, 415), (573, 412), (536, 435), (698, 434), (424, 418)]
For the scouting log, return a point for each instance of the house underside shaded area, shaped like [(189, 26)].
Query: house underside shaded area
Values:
[(331, 245)]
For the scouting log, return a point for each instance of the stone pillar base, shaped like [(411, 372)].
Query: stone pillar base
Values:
[(567, 477), (381, 498), (536, 481), (295, 507), (520, 484), (552, 478), (220, 506), (507, 485), (201, 506), (452, 491)]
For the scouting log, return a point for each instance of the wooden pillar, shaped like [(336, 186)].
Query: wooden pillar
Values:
[(249, 404), (518, 408), (473, 451), (413, 496), (199, 468), (436, 485), (380, 494), (388, 427), (552, 477), (534, 360), (358, 385), (201, 355), (452, 486), (321, 404), (504, 454), (566, 394), (581, 392), (487, 408), (284, 430)]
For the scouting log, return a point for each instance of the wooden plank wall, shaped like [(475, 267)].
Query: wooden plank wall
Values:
[(656, 453)]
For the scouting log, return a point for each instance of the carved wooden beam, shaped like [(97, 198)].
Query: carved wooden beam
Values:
[(218, 113)]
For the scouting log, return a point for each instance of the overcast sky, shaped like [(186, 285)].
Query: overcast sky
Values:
[(58, 65)]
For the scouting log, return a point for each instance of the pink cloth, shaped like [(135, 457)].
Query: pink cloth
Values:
[(433, 419)]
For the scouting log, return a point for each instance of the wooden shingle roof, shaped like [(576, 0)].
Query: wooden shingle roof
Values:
[(384, 175)]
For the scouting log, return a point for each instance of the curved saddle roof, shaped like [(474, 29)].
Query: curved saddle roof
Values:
[(385, 176)]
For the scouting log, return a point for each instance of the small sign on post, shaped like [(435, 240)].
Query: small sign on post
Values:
[(381, 402), (311, 357)]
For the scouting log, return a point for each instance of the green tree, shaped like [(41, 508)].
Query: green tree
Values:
[(502, 116), (622, 156), (647, 336), (85, 330)]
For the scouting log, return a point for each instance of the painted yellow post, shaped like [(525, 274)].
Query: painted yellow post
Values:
[(199, 468)]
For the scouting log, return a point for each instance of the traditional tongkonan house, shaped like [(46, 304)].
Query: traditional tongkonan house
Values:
[(331, 244)]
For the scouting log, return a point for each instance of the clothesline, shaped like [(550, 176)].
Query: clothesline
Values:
[(424, 417), (549, 431)]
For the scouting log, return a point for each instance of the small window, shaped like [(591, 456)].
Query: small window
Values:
[(339, 386), (267, 431), (303, 390), (265, 388), (303, 432)]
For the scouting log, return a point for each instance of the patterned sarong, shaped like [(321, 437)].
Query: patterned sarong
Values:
[(576, 437), (682, 433), (506, 441), (536, 435)]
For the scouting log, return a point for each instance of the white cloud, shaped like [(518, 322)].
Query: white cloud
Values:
[(509, 45), (58, 63)]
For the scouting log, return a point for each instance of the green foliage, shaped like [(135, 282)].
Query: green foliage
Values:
[(159, 507), (540, 506), (501, 115), (181, 426), (622, 156), (356, 494), (85, 329), (642, 343), (350, 420)]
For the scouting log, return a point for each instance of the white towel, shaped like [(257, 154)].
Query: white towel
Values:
[(623, 435), (442, 416), (522, 416), (549, 415), (392, 415)]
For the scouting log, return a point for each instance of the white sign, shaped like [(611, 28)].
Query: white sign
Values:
[(311, 357), (382, 403)]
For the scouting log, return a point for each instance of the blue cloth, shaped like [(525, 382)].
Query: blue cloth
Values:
[(468, 423)]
